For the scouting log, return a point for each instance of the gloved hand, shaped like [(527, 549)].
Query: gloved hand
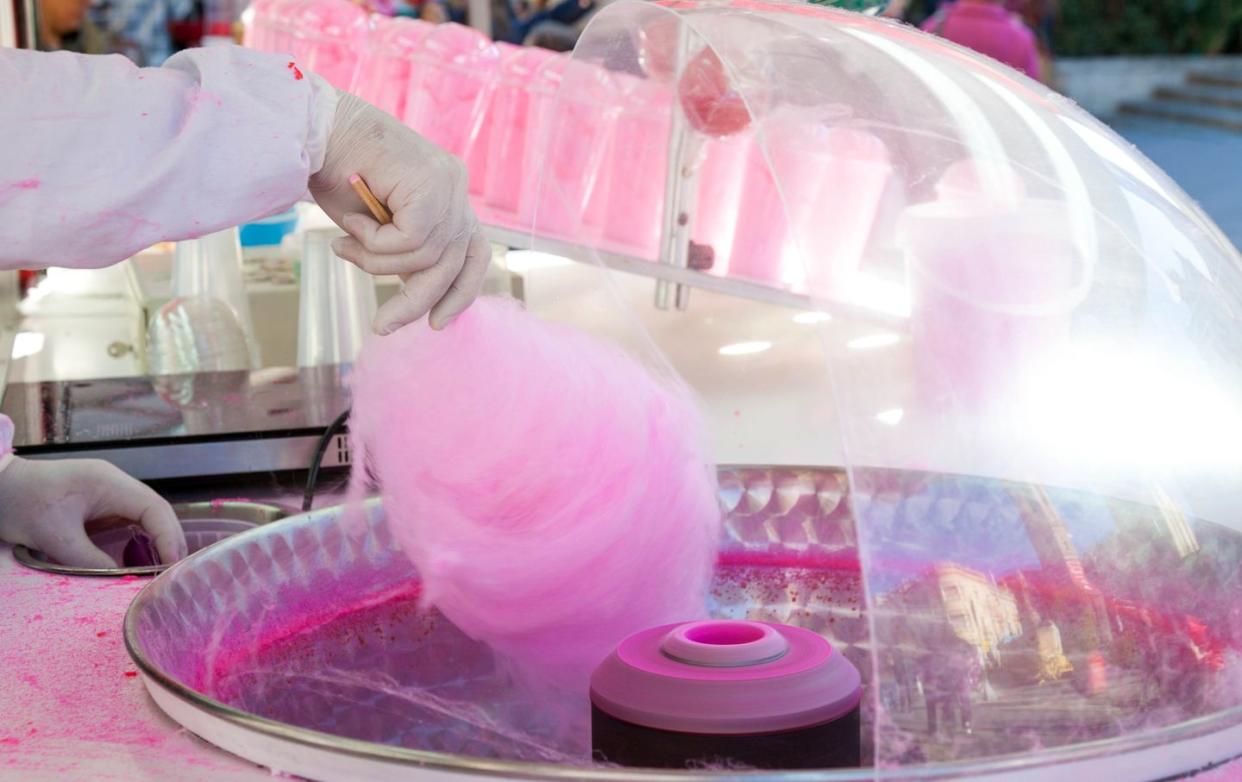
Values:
[(434, 241), (45, 505)]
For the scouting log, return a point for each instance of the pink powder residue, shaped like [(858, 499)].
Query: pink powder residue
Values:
[(13, 189), (67, 698), (301, 621), (115, 228), (194, 99), (220, 502)]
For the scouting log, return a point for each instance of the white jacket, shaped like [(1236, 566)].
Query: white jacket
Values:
[(100, 159)]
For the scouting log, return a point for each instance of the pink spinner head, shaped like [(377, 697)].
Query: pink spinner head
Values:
[(726, 677)]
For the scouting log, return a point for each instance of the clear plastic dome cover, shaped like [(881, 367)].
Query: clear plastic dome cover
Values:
[(1010, 337), (971, 365)]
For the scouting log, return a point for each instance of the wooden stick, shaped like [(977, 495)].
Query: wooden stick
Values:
[(377, 209)]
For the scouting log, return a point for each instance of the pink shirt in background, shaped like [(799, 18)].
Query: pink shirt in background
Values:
[(988, 28)]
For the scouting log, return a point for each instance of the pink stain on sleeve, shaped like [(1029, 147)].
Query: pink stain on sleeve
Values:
[(13, 189), (297, 74)]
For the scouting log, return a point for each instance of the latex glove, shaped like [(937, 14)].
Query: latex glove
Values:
[(45, 505), (434, 242)]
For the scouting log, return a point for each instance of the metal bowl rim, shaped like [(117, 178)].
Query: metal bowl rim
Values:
[(26, 556), (1149, 739)]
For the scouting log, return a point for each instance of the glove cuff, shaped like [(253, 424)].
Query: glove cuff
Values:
[(323, 109)]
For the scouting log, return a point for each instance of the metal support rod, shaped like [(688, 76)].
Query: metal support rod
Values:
[(8, 298), (28, 24), (8, 24), (479, 15), (678, 194)]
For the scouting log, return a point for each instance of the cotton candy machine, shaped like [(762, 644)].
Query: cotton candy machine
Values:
[(981, 358), (251, 646)]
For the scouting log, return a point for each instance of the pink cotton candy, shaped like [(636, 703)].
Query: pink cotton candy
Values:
[(554, 495)]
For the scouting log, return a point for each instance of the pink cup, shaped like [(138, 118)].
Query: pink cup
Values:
[(722, 175), (518, 87), (330, 34), (832, 231), (280, 35), (384, 69), (575, 125), (444, 98), (478, 152), (808, 204), (992, 288), (638, 167), (257, 32)]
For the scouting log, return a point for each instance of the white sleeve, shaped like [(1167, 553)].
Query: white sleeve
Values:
[(101, 159)]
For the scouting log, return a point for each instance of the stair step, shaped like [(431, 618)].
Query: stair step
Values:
[(1227, 79), (1181, 111), (1204, 94)]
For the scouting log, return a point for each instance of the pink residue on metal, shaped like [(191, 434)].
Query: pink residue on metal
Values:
[(71, 703), (220, 502), (302, 621)]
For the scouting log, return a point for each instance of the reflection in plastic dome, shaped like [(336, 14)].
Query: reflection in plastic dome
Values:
[(1015, 335), (982, 361)]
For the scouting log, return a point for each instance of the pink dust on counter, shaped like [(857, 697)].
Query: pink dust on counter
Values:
[(71, 704)]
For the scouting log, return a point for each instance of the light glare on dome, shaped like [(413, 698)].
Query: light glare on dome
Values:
[(873, 341), (745, 348)]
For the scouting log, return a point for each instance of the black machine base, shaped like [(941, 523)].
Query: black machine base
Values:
[(835, 744)]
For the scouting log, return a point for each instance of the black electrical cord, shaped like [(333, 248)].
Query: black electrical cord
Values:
[(312, 477)]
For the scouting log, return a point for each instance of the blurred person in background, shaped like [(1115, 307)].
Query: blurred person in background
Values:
[(554, 25), (988, 27), (66, 25), (1039, 16), (61, 23), (143, 27)]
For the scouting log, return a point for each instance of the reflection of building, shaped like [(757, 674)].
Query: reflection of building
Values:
[(1164, 524), (1048, 535), (1059, 590), (981, 612)]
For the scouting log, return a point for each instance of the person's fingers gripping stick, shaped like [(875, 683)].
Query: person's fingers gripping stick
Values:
[(434, 242)]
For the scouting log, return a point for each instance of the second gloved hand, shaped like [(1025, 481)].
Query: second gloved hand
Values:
[(434, 242), (45, 505)]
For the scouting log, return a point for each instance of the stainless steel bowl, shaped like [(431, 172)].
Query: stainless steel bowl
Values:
[(301, 646)]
